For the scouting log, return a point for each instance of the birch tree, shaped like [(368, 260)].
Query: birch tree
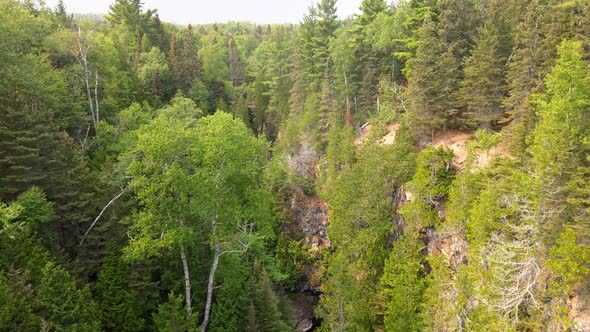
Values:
[(197, 176), (230, 202), (159, 169), (81, 49)]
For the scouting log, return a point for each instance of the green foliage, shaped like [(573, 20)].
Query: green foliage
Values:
[(483, 87), (432, 79), (199, 183), (440, 307), (569, 261), (559, 146), (233, 298), (155, 74), (36, 209), (562, 126), (118, 306), (361, 220), (16, 303), (524, 76), (484, 141), (171, 315), (429, 187), (276, 176), (27, 213), (403, 286), (291, 259), (64, 305)]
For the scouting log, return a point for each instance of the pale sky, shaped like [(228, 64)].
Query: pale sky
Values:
[(210, 11)]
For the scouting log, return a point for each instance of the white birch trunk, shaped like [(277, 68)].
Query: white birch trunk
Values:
[(210, 286), (187, 282)]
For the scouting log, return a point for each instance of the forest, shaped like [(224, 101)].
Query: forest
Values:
[(423, 165)]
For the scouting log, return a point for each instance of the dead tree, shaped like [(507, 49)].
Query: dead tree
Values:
[(81, 51)]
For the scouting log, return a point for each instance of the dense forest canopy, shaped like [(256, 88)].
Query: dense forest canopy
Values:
[(421, 166)]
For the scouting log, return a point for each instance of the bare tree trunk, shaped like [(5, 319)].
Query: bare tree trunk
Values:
[(96, 110), (187, 282), (378, 105), (210, 286), (81, 54), (348, 117), (100, 214)]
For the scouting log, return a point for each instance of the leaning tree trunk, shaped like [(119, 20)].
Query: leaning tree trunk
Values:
[(210, 286)]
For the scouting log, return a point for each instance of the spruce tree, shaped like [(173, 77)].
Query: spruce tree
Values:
[(524, 76), (459, 20), (483, 86), (403, 286), (328, 105), (559, 148), (186, 66), (118, 306), (366, 70), (27, 152), (64, 305), (432, 78)]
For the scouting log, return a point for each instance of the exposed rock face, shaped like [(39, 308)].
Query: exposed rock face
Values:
[(451, 245), (309, 218), (579, 309), (302, 308)]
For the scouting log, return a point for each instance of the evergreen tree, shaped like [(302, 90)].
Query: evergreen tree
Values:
[(187, 65), (366, 70), (459, 20), (317, 30), (558, 149), (130, 13), (361, 220), (16, 303), (432, 79), (403, 286), (28, 149), (171, 316), (236, 69), (328, 105), (483, 86), (64, 305), (524, 75), (118, 306), (62, 17)]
